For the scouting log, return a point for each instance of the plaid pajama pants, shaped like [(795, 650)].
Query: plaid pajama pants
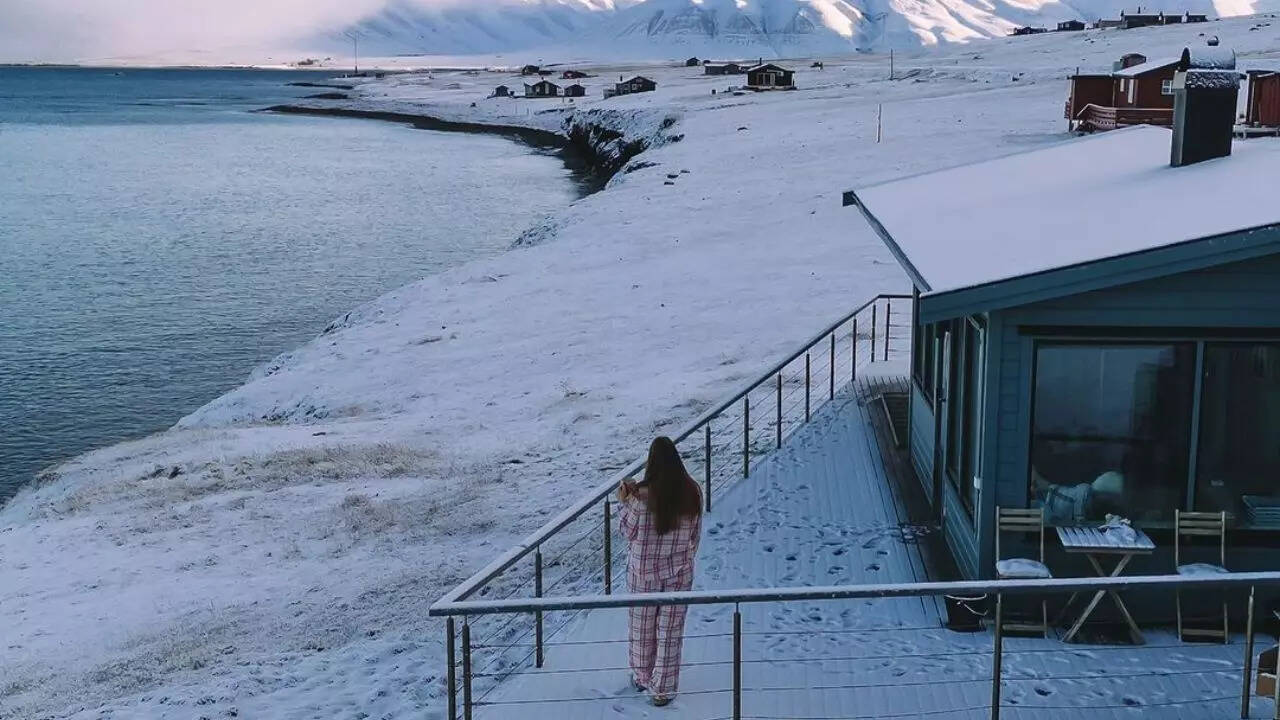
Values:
[(657, 637)]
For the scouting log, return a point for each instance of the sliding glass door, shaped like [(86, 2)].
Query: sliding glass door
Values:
[(1238, 462), (1111, 427)]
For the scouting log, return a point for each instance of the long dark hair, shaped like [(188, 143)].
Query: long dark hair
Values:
[(672, 494)]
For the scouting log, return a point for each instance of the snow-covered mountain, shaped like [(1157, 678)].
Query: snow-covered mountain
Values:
[(667, 28)]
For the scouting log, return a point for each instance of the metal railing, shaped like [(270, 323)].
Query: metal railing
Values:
[(999, 678), (843, 342), (573, 551)]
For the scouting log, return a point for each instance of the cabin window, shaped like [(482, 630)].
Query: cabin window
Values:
[(1111, 427), (1166, 87), (1238, 462), (964, 408), (923, 360)]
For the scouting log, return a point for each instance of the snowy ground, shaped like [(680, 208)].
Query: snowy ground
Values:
[(273, 554)]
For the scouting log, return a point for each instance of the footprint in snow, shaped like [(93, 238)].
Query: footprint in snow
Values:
[(1043, 691), (873, 567)]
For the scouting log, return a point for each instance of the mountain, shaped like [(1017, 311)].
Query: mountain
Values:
[(636, 29)]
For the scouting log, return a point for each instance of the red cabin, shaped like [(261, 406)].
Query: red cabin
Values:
[(1137, 92), (1262, 109)]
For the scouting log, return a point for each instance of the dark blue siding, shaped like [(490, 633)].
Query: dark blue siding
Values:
[(1239, 295), (922, 439)]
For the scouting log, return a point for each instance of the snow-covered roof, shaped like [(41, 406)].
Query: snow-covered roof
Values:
[(1145, 67), (1077, 202)]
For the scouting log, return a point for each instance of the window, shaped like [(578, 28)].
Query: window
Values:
[(1133, 91), (1238, 463), (922, 360), (971, 443), (1166, 87), (1111, 428)]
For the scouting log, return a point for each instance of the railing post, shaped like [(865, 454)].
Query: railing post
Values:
[(466, 668), (608, 549), (746, 435), (737, 663), (874, 310), (853, 360), (997, 658), (451, 675), (537, 615), (706, 472), (778, 430), (1245, 691), (806, 387), (888, 323), (831, 394)]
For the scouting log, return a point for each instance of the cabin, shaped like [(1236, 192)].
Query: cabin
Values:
[(637, 84), (573, 75), (1070, 26), (1103, 24), (1137, 92), (1129, 21), (542, 89), (1195, 18), (1028, 30), (575, 90), (1262, 103), (728, 68), (1121, 361), (501, 91), (530, 70), (692, 62), (770, 77)]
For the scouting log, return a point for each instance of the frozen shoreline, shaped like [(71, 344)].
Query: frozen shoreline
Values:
[(274, 553)]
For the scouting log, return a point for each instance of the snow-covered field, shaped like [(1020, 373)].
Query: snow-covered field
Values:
[(273, 555)]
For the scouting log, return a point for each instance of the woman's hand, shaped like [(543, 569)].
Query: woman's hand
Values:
[(626, 489)]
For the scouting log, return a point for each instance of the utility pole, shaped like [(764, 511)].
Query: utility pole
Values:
[(890, 63), (355, 50)]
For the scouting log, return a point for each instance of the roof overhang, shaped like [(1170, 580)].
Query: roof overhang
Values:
[(1080, 278)]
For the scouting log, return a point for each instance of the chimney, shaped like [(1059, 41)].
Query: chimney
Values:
[(1205, 86)]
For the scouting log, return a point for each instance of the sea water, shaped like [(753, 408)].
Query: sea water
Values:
[(159, 238)]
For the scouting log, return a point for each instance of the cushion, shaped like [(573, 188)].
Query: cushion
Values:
[(1201, 569), (1022, 569)]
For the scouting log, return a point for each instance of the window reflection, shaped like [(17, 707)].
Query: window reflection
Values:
[(1238, 464), (1110, 430)]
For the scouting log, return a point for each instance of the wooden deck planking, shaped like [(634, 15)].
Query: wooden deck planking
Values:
[(836, 497)]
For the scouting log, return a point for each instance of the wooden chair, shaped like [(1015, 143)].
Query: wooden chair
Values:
[(1023, 522), (1200, 524)]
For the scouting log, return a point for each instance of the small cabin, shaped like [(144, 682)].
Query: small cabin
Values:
[(1121, 361), (692, 62), (637, 84), (542, 89), (575, 90), (501, 91), (1137, 20), (1028, 30), (1262, 103), (530, 70), (573, 75), (1137, 92), (1070, 26), (1145, 85), (728, 68), (1195, 18), (770, 77)]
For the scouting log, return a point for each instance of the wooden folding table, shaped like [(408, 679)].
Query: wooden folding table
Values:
[(1093, 543)]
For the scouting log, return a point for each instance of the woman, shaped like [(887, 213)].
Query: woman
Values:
[(661, 519)]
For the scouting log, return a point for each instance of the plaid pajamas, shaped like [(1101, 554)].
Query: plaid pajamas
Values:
[(657, 563)]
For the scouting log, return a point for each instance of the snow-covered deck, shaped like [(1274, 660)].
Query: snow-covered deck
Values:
[(835, 505)]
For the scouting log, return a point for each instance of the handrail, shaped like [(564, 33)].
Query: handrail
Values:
[(853, 592), (600, 492)]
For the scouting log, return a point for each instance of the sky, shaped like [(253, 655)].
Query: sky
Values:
[(80, 30)]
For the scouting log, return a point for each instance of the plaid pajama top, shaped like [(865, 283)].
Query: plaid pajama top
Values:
[(653, 560)]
